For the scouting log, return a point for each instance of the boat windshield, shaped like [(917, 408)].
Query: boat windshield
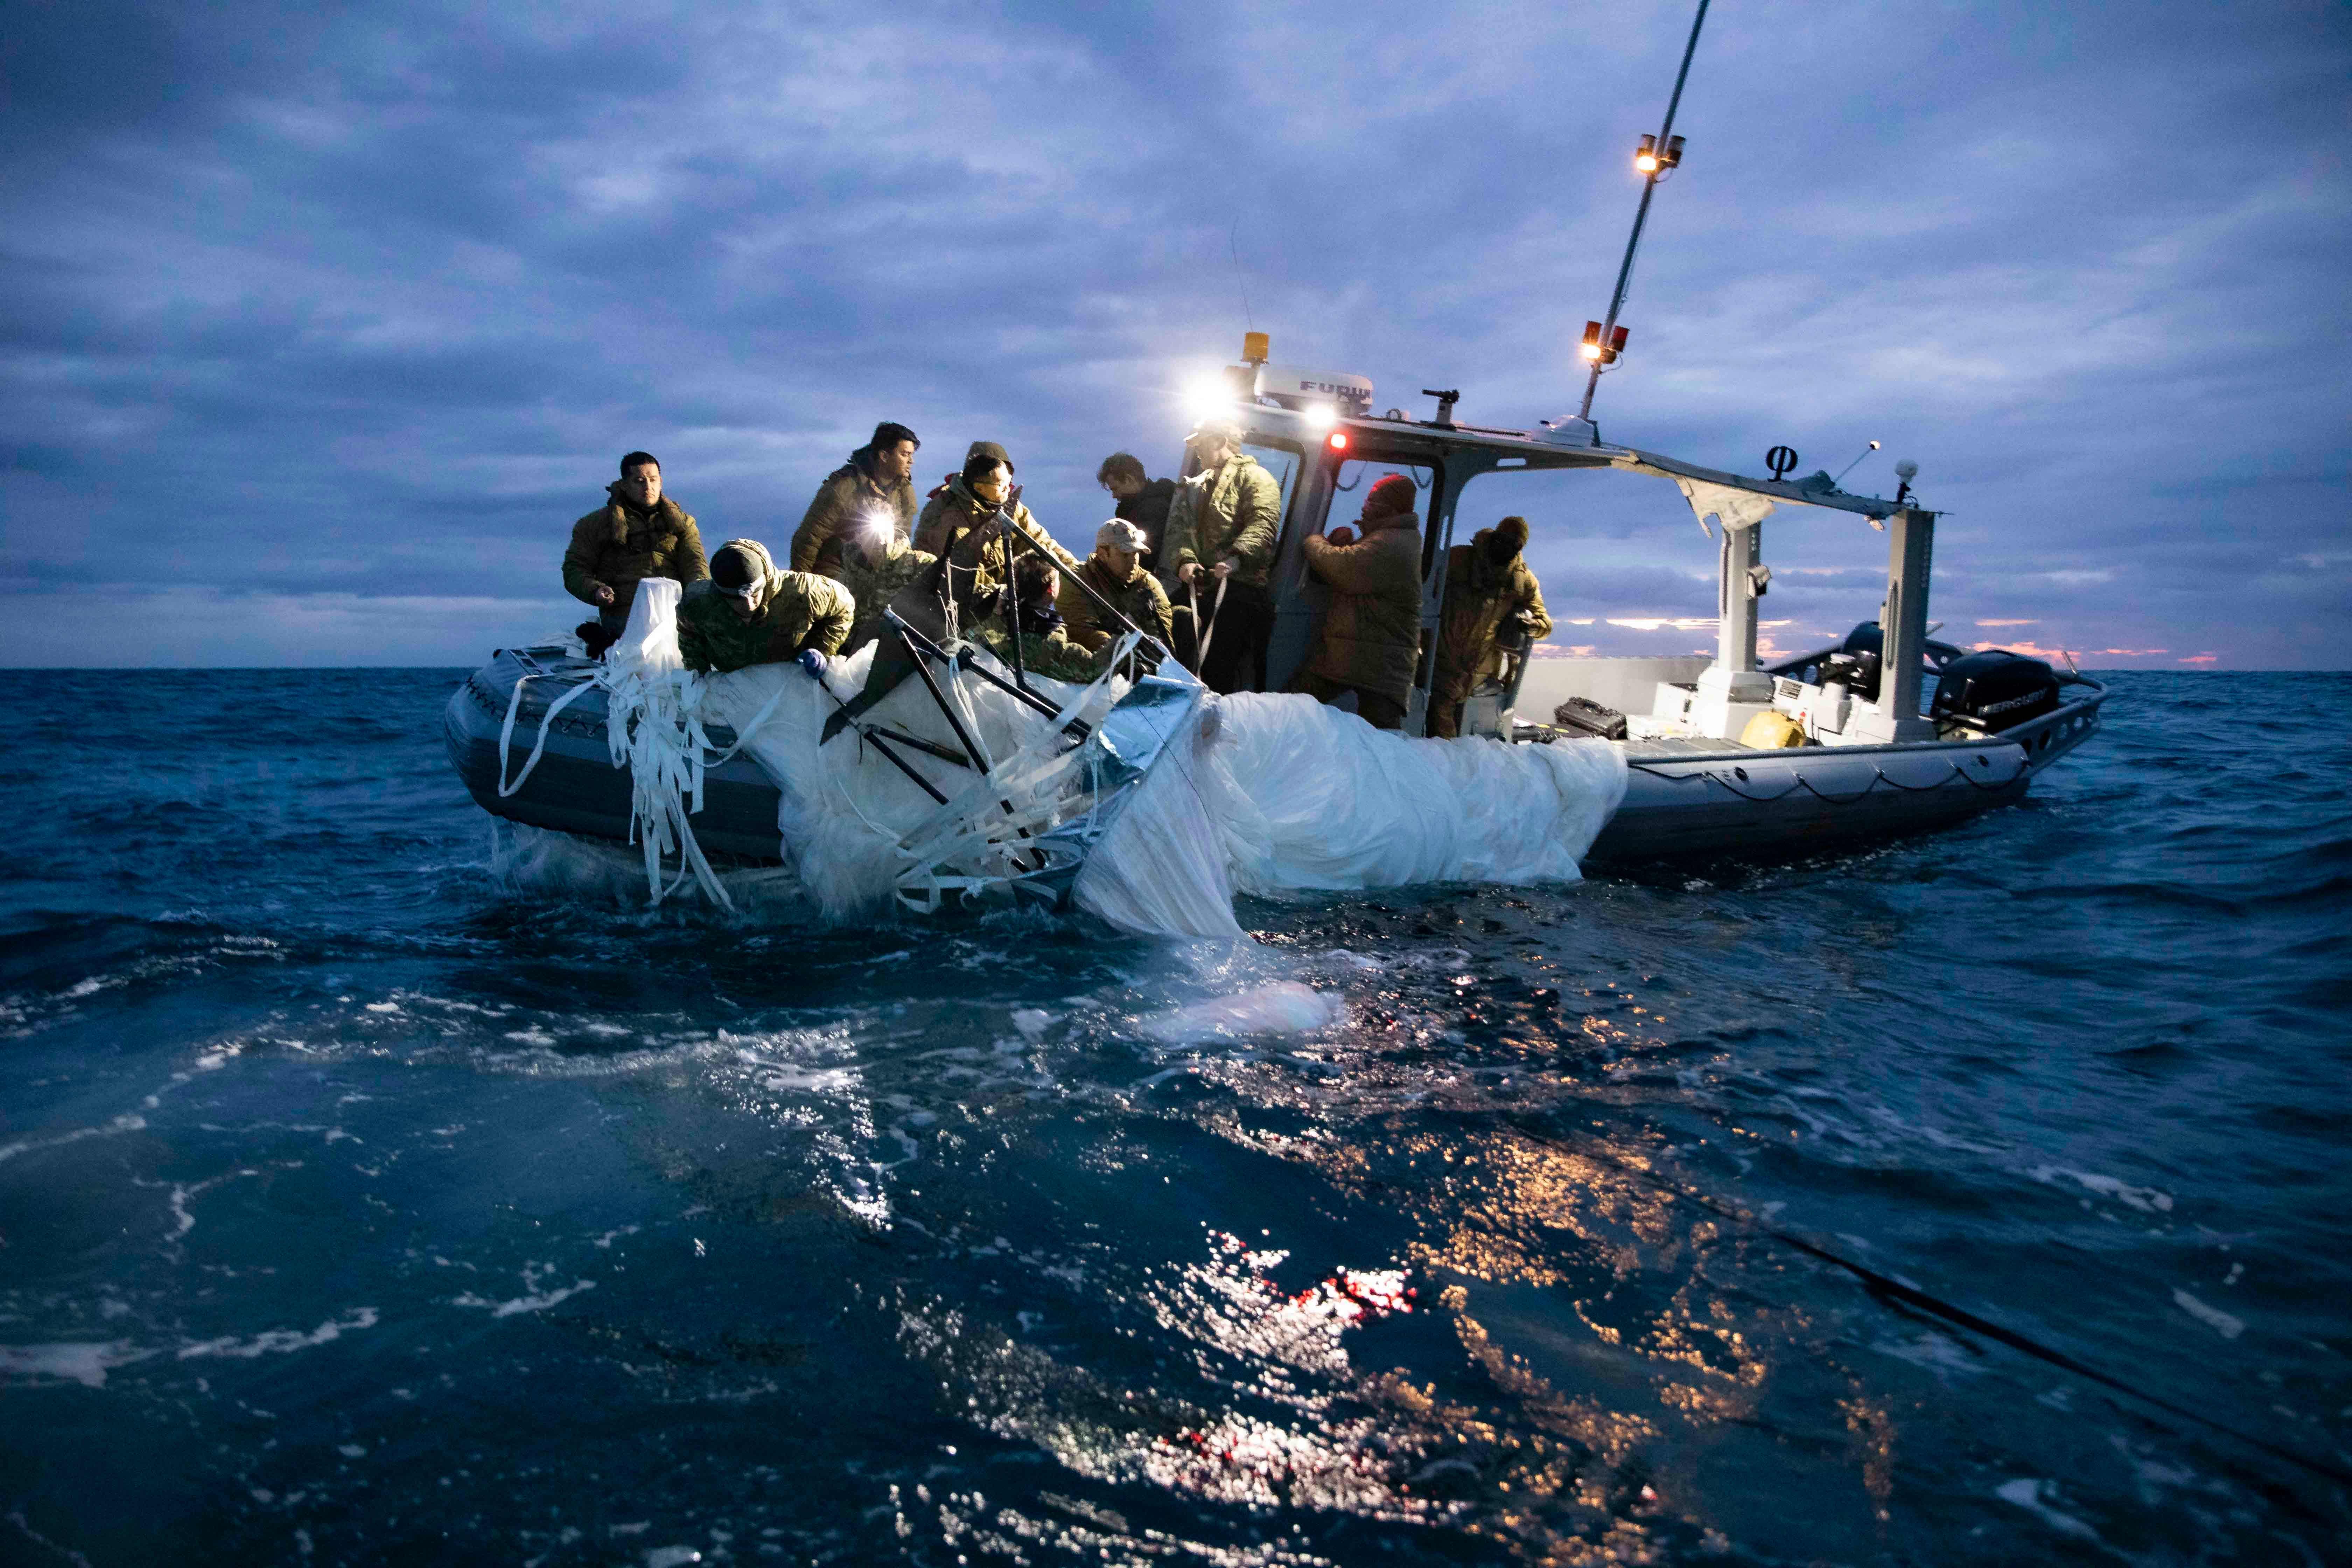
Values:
[(1282, 463)]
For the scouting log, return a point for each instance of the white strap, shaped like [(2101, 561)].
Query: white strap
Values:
[(1201, 650), (505, 733)]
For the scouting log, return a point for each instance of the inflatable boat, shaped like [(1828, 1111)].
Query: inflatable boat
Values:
[(1684, 797), (1885, 734)]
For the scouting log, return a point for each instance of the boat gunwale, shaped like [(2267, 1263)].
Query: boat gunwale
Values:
[(2017, 735)]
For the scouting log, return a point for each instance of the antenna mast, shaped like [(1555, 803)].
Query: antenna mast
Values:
[(1604, 341)]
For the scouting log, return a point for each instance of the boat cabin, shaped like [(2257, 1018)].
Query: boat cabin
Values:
[(1315, 434)]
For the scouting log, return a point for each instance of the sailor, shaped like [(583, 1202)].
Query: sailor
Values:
[(959, 522), (1492, 602), (878, 482), (753, 614), (1116, 572), (1143, 501), (638, 534), (1370, 637), (1045, 646), (1221, 535), (875, 565)]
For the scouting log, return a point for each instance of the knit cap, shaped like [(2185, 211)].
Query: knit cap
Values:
[(1393, 495)]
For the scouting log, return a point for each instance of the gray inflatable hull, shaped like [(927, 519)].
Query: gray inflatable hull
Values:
[(1680, 800), (576, 788)]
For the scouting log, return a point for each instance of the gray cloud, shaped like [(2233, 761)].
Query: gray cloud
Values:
[(322, 324)]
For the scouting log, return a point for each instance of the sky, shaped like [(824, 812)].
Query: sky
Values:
[(323, 323)]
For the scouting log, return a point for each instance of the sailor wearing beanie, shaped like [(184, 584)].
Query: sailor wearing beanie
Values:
[(1370, 637)]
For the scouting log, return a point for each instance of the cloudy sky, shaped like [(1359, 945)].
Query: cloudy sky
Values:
[(323, 323)]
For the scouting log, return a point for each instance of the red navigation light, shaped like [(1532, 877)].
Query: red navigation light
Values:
[(1338, 439)]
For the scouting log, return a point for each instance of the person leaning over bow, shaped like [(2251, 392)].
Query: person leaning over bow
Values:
[(1221, 534), (1143, 501), (877, 484), (638, 534), (1370, 637), (1116, 572), (1492, 602), (959, 522), (753, 614), (1045, 646)]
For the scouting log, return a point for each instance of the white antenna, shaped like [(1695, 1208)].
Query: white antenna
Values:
[(1841, 473)]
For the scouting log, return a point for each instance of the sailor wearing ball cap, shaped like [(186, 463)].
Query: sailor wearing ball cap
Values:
[(1221, 536), (1116, 571)]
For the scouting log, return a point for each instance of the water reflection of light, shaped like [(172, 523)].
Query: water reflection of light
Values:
[(1289, 1423)]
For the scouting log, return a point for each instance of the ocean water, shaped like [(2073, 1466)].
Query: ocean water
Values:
[(364, 1199)]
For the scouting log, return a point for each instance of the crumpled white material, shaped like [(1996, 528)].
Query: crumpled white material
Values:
[(1280, 793), (845, 808), (1163, 868), (1267, 795), (1310, 798)]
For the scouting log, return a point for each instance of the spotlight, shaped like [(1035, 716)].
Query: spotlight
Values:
[(1208, 398)]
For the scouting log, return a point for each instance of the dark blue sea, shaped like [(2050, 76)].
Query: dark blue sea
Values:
[(1982, 1198)]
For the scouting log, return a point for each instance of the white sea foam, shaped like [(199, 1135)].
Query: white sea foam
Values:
[(30, 1145), (535, 1302), (2214, 1318), (2147, 1200), (73, 1362), (1285, 1007), (2027, 1494), (1935, 1353), (279, 1342)]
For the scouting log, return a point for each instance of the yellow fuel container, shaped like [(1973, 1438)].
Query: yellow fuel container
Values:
[(1772, 732)]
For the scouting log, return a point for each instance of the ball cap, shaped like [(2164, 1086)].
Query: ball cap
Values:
[(1121, 534)]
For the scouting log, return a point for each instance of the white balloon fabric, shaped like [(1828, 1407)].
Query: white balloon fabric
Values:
[(1282, 794), (1266, 794)]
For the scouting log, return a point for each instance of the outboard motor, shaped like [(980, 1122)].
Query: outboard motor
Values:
[(1993, 692), (1856, 666), (1857, 672)]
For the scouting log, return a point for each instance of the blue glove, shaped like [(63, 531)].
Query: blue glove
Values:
[(812, 661)]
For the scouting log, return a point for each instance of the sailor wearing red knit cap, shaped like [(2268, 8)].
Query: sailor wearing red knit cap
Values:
[(1370, 637)]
